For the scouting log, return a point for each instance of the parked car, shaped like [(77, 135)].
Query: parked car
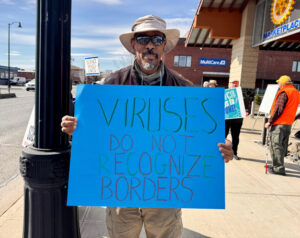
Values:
[(18, 81), (30, 85)]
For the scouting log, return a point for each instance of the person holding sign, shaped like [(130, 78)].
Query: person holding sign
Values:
[(149, 40), (282, 116), (234, 125)]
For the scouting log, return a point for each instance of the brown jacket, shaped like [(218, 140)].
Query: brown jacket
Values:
[(129, 76)]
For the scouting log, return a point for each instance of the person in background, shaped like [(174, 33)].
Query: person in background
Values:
[(234, 125), (148, 40), (205, 84), (282, 116), (212, 83)]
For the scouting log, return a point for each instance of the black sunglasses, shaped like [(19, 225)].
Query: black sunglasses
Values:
[(144, 39)]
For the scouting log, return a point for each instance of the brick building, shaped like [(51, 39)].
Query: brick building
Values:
[(29, 75), (191, 68), (271, 64), (263, 41)]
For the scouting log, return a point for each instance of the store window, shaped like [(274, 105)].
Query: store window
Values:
[(182, 61), (296, 66)]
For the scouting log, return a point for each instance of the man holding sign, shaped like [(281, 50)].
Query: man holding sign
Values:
[(148, 41)]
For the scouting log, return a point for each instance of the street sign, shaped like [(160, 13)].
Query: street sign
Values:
[(28, 138), (91, 66)]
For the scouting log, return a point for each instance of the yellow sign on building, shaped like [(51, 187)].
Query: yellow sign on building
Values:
[(281, 9)]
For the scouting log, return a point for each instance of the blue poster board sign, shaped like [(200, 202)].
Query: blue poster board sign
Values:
[(234, 104), (141, 146)]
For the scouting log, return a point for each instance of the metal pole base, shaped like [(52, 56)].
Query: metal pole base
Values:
[(45, 174)]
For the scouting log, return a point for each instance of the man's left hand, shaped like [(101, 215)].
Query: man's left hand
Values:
[(226, 150)]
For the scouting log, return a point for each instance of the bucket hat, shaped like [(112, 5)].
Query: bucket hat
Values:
[(150, 23), (212, 81)]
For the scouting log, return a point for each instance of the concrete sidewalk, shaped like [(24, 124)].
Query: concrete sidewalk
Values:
[(257, 204)]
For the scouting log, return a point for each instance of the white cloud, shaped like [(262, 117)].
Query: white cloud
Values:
[(173, 21), (33, 2), (108, 2), (29, 67), (18, 38), (193, 10), (8, 2), (14, 53), (23, 39), (118, 51), (99, 30), (182, 24), (81, 55), (85, 43), (29, 5)]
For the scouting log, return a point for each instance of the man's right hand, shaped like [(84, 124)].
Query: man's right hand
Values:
[(68, 124)]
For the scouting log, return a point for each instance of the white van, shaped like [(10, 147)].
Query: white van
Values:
[(18, 81)]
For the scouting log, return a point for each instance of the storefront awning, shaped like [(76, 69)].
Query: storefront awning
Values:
[(216, 23)]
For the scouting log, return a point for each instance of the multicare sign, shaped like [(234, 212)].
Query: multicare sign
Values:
[(213, 62)]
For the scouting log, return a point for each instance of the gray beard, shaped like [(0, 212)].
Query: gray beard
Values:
[(148, 66)]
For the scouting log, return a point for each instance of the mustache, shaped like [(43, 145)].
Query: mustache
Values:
[(149, 52)]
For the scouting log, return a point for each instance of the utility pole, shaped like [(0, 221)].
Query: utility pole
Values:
[(45, 165), (8, 52)]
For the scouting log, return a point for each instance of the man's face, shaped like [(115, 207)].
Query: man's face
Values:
[(148, 54), (212, 85), (231, 85), (280, 85)]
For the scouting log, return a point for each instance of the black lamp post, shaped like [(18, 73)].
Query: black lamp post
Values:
[(45, 165), (8, 55)]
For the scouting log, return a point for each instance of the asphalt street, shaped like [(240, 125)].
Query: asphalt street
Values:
[(14, 116)]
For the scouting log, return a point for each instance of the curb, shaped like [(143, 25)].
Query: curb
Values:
[(7, 95)]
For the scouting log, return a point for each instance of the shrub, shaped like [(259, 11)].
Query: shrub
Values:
[(257, 99)]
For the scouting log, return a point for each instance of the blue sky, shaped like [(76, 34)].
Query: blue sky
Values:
[(96, 26)]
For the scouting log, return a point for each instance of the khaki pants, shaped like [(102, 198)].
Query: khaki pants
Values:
[(158, 222)]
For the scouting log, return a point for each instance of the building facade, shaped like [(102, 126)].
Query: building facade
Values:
[(29, 75), (4, 74), (201, 64)]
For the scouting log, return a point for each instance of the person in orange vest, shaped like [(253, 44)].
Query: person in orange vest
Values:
[(282, 116)]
